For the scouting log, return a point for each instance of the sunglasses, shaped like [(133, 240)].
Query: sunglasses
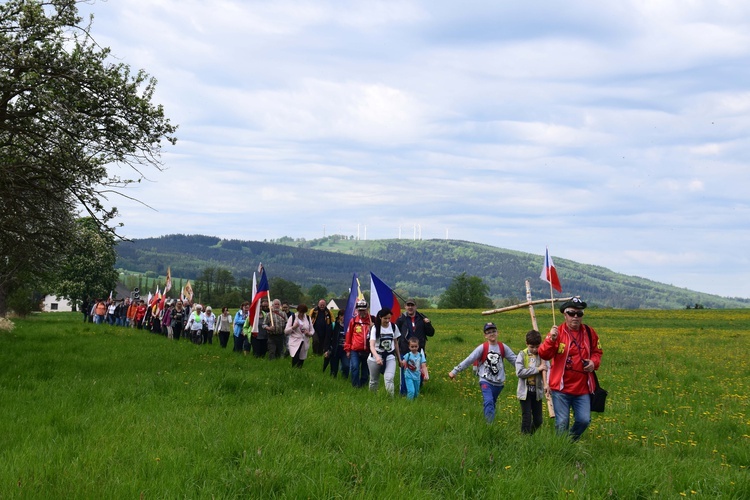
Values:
[(574, 314)]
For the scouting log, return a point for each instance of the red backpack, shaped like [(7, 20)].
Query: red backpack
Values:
[(485, 350)]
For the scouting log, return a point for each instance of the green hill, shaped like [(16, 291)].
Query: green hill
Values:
[(422, 268)]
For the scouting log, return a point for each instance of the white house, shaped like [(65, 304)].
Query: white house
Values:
[(56, 304), (337, 304)]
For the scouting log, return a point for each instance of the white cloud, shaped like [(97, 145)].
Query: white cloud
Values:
[(616, 133)]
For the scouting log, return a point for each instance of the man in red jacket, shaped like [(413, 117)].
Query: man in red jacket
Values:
[(356, 346), (575, 352)]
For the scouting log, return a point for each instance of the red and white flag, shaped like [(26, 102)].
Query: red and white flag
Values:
[(549, 273), (258, 295)]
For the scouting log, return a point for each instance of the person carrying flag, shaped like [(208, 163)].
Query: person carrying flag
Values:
[(356, 345), (575, 352), (323, 324)]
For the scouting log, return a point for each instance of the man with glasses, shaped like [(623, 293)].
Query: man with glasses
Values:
[(575, 352)]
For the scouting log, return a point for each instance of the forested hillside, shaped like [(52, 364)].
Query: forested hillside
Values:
[(422, 268)]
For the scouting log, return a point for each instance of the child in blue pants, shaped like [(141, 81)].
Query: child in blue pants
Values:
[(412, 367), (488, 358)]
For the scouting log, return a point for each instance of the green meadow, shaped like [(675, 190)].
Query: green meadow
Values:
[(94, 411)]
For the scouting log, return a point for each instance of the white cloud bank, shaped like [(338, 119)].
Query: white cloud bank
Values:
[(615, 133)]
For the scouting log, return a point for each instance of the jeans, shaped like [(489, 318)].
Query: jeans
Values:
[(239, 343), (358, 368), (581, 413), (388, 375), (338, 358), (490, 392)]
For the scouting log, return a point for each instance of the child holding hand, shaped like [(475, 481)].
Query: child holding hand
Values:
[(413, 361)]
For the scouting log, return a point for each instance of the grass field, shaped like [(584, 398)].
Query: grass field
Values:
[(101, 412)]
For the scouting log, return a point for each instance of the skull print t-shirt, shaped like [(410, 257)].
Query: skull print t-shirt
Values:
[(492, 369), (385, 342)]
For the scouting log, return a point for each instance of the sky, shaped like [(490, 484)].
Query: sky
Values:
[(614, 133)]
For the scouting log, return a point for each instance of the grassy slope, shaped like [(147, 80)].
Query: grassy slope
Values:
[(421, 268), (505, 270), (100, 412)]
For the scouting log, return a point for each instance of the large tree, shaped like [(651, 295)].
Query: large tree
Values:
[(317, 292), (465, 292), (67, 115), (286, 291), (88, 267)]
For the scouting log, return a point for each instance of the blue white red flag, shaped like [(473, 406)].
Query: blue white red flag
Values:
[(258, 295), (549, 273), (351, 303), (381, 295)]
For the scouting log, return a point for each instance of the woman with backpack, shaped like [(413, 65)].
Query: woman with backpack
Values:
[(384, 352)]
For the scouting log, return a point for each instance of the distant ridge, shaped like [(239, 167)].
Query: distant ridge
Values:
[(415, 267)]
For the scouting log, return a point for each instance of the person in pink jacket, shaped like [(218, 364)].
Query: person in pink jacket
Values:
[(299, 328)]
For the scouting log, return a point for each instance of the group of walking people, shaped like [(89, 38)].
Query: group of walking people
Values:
[(370, 346), (561, 366), (362, 350)]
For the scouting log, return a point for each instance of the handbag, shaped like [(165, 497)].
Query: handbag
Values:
[(598, 397)]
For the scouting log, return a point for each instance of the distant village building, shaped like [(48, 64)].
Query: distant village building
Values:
[(56, 304), (337, 304)]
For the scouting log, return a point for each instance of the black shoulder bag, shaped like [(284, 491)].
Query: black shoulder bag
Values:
[(599, 396)]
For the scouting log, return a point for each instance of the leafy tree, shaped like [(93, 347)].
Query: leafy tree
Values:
[(465, 292), (66, 115), (204, 284), (317, 292), (245, 286), (285, 290), (224, 281), (87, 269)]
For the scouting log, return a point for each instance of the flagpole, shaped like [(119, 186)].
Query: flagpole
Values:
[(545, 375), (552, 303)]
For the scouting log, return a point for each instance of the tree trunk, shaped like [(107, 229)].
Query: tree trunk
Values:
[(3, 300)]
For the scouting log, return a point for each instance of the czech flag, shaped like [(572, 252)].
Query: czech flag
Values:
[(549, 273), (259, 294), (381, 295), (351, 303)]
